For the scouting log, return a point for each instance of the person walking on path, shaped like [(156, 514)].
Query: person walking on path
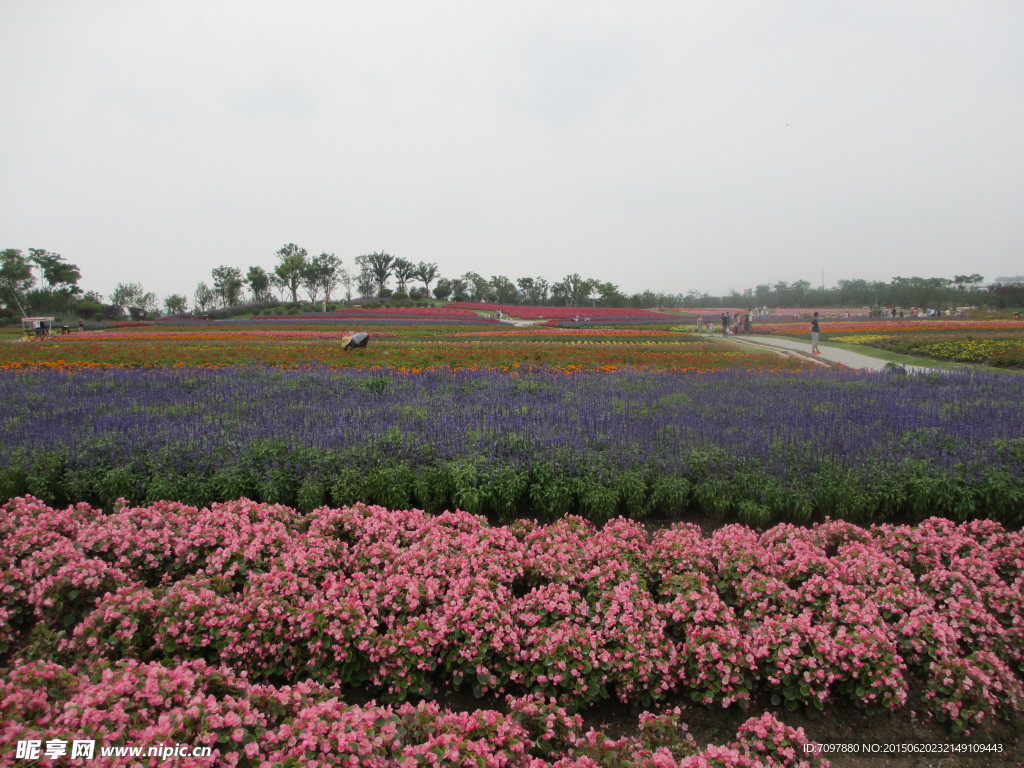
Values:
[(815, 330)]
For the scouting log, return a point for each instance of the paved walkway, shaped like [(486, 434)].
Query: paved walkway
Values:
[(830, 354)]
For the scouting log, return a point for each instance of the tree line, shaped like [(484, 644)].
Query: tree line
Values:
[(44, 281)]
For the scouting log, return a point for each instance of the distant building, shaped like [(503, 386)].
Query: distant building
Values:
[(1005, 280)]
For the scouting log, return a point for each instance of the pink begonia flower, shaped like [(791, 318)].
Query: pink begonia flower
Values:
[(568, 610)]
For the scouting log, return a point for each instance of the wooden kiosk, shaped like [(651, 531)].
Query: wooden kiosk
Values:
[(36, 327)]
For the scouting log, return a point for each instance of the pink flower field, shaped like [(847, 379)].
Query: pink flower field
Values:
[(286, 639)]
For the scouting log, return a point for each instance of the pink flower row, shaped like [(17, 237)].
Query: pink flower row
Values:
[(403, 601), (309, 724), (537, 312)]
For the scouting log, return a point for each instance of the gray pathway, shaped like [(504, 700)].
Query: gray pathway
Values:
[(830, 354)]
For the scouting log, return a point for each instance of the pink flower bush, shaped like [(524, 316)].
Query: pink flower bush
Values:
[(247, 724), (403, 605)]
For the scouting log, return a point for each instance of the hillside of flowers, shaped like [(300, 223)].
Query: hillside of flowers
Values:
[(402, 346), (529, 312), (726, 445), (1000, 350), (997, 343), (252, 627)]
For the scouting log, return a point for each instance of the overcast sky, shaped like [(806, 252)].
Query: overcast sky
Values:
[(670, 145)]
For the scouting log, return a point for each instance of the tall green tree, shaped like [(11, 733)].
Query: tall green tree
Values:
[(346, 281), (127, 294), (59, 276), (572, 291), (533, 290), (366, 282), (478, 287), (175, 304), (259, 284), (203, 298), (293, 262), (607, 293), (16, 277), (460, 288), (404, 271), (503, 290), (426, 273), (320, 277), (380, 264), (227, 284), (443, 290)]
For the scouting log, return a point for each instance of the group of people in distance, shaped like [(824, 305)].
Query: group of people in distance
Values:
[(731, 324), (740, 323)]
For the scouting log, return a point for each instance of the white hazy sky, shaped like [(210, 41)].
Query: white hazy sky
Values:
[(669, 145)]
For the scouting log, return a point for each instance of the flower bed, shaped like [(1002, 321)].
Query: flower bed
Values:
[(248, 724), (527, 312), (998, 350), (404, 605), (443, 345), (729, 445), (836, 325)]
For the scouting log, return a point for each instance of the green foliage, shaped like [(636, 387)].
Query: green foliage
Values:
[(390, 470)]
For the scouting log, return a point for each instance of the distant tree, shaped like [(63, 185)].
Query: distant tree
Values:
[(572, 291), (381, 265), (16, 277), (646, 300), (459, 288), (59, 277), (478, 287), (113, 312), (533, 290), (149, 304), (203, 298), (320, 277), (366, 282), (608, 294), (404, 271), (259, 284), (175, 304), (426, 272), (227, 285), (88, 308), (346, 280), (503, 290), (293, 263), (801, 290), (1006, 294), (443, 289), (277, 284), (127, 294), (781, 294), (964, 282)]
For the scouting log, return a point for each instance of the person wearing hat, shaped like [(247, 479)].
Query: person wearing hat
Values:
[(355, 341)]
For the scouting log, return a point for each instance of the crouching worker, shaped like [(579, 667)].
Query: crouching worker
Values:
[(355, 341)]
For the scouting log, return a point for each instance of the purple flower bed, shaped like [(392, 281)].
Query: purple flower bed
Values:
[(730, 445)]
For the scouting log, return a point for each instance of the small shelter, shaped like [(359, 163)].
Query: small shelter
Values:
[(36, 327)]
